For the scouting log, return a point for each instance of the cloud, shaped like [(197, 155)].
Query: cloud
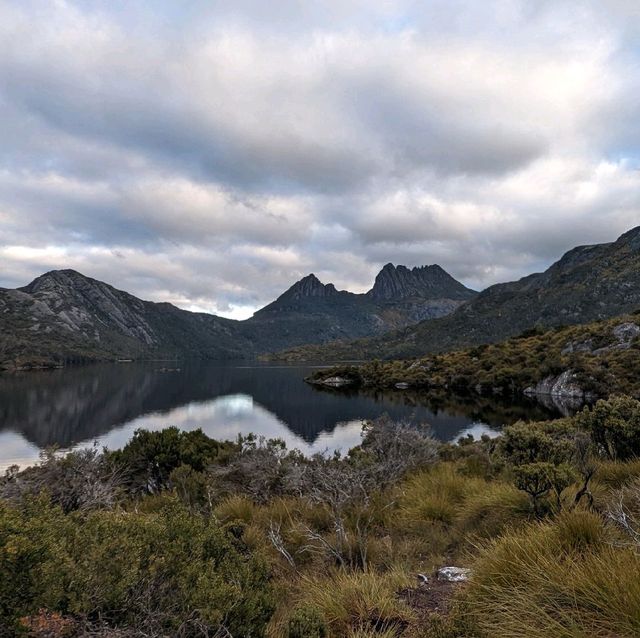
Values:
[(212, 153)]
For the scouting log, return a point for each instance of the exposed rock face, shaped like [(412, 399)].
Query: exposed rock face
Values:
[(333, 382), (65, 316), (84, 305), (309, 286), (561, 392), (563, 385), (431, 282), (624, 335), (626, 332), (574, 346)]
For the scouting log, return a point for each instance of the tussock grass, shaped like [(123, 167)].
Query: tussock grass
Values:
[(486, 514), (360, 602), (617, 474), (236, 508), (435, 495), (563, 579)]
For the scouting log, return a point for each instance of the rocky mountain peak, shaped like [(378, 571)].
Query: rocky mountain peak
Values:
[(309, 286), (429, 282), (55, 279), (631, 237)]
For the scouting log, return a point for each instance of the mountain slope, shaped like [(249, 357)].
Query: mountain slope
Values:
[(63, 316), (587, 284), (66, 316)]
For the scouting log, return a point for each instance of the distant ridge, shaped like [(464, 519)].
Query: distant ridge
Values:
[(63, 316)]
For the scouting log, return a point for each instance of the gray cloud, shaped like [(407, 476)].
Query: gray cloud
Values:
[(212, 153)]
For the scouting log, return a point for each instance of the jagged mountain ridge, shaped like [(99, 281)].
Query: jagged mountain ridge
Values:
[(586, 284), (430, 282), (400, 297), (66, 316)]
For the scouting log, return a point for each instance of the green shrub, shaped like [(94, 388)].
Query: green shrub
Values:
[(526, 443), (538, 479), (614, 426), (306, 622), (150, 457), (153, 572)]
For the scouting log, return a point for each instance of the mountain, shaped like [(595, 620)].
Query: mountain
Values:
[(399, 297), (588, 283), (64, 316), (428, 282)]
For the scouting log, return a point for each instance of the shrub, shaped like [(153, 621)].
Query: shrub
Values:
[(79, 480), (150, 457), (525, 443), (614, 426), (151, 572), (538, 479), (306, 622), (191, 487)]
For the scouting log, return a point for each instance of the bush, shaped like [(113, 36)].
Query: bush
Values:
[(614, 426), (538, 479), (152, 572), (78, 480), (150, 457), (306, 622), (525, 443)]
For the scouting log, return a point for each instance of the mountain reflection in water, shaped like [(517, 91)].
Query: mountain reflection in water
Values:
[(107, 403)]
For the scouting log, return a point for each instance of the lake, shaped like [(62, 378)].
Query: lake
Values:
[(107, 403)]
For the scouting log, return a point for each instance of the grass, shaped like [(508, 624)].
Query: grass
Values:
[(360, 602), (565, 578)]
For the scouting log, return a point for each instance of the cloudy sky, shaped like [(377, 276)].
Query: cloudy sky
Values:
[(210, 153)]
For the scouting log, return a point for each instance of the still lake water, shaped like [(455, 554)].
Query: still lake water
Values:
[(107, 403)]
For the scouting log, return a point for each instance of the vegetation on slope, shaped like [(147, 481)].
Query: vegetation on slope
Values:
[(602, 356), (179, 535)]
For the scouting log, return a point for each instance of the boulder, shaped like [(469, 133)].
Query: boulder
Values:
[(625, 333), (578, 346), (454, 574), (336, 382)]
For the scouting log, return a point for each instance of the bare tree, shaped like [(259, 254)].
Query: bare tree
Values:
[(79, 480), (625, 512)]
